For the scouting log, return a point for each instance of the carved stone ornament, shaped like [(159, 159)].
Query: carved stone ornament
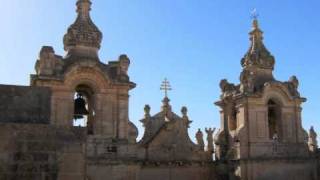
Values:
[(83, 32), (257, 55), (227, 88), (293, 85)]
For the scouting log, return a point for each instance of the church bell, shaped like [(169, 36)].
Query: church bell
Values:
[(80, 107)]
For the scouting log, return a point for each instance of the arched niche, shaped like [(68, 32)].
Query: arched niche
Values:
[(288, 115), (84, 107), (275, 98), (92, 84), (274, 119)]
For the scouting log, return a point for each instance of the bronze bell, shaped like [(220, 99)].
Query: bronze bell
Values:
[(80, 107)]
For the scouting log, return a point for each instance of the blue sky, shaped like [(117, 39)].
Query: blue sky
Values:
[(193, 43)]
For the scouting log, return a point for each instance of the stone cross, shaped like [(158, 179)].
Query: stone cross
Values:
[(165, 86), (254, 14)]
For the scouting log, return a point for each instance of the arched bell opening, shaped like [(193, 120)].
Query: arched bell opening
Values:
[(84, 108), (274, 120), (232, 120)]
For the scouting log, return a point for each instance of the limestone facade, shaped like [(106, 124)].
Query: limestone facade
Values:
[(261, 134)]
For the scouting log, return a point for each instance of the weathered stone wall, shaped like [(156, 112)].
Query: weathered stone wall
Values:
[(177, 173), (23, 104), (38, 152), (294, 169), (152, 171)]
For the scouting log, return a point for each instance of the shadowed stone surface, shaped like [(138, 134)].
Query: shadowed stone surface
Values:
[(23, 104)]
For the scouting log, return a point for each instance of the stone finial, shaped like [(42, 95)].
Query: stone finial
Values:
[(147, 115), (199, 137), (47, 61), (83, 34), (294, 81), (210, 132), (293, 85), (124, 63), (184, 111), (312, 142), (223, 84), (227, 88), (147, 109), (257, 56), (46, 51)]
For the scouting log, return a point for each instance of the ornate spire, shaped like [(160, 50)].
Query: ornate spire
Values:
[(166, 107), (83, 34), (257, 55)]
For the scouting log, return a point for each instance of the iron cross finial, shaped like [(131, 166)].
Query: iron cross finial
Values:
[(165, 86), (254, 14)]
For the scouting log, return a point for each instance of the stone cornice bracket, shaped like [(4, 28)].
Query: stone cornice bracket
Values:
[(83, 37)]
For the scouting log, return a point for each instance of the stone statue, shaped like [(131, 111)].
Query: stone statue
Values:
[(294, 81), (227, 88), (312, 142), (293, 85), (210, 132), (184, 111), (275, 141), (199, 137), (146, 115), (147, 110), (185, 117), (124, 64), (275, 137)]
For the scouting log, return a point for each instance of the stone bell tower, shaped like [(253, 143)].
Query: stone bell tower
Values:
[(261, 133), (104, 88)]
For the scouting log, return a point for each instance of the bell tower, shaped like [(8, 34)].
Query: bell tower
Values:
[(261, 119), (83, 87)]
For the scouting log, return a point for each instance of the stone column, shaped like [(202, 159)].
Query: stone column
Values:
[(123, 106)]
